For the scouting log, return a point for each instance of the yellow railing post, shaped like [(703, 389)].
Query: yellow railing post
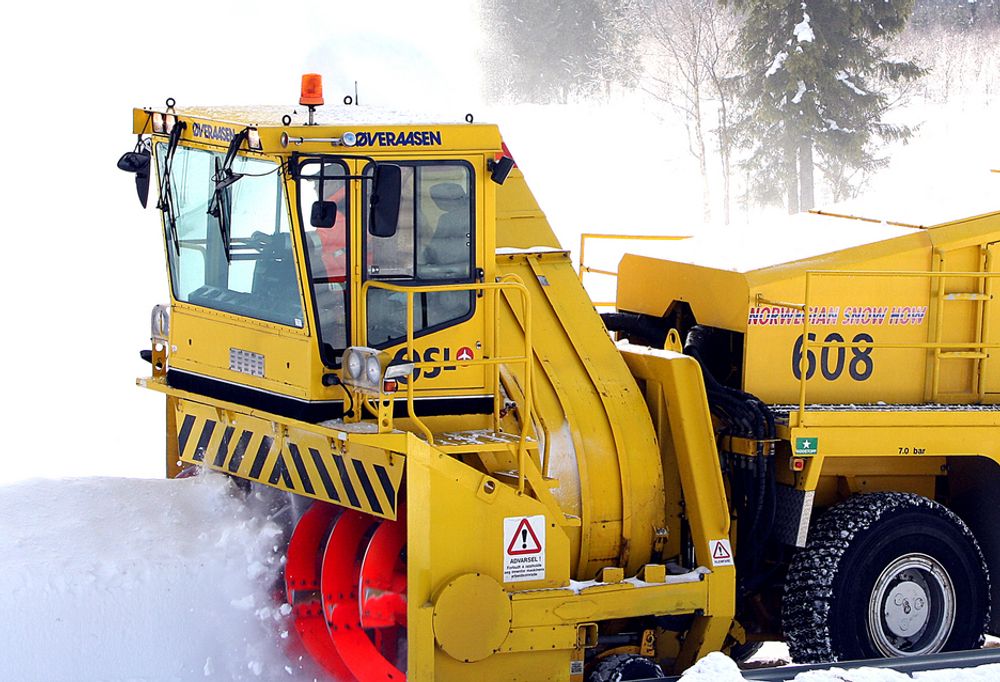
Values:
[(509, 282), (584, 268)]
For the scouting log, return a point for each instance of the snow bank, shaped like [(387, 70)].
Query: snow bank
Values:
[(135, 579), (716, 667), (768, 243)]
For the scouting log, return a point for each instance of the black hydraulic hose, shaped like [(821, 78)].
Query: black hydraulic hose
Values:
[(752, 487), (650, 330)]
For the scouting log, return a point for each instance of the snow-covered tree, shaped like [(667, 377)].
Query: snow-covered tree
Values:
[(815, 91), (549, 51)]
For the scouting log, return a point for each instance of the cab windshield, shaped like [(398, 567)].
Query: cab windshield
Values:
[(243, 266)]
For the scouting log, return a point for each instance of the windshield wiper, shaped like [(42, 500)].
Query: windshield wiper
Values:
[(166, 203), (225, 176), (221, 206)]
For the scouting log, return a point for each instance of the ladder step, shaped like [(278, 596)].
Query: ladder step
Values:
[(512, 477), (966, 296), (480, 441), (962, 354)]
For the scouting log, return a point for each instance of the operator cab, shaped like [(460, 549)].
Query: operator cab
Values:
[(289, 242)]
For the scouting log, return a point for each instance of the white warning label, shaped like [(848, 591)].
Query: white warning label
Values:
[(524, 548), (721, 552)]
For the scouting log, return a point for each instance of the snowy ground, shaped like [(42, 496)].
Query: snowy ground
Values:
[(145, 580), (165, 581), (718, 667)]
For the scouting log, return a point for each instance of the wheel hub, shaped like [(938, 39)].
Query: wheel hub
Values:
[(912, 607), (906, 609)]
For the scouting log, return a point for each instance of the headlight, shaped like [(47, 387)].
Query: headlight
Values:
[(353, 364), (362, 369), (373, 369), (160, 322), (253, 138)]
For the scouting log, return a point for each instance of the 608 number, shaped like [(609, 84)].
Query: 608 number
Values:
[(831, 364)]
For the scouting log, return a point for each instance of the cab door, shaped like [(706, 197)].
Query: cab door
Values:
[(438, 242)]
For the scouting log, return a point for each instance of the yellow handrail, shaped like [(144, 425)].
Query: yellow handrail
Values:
[(505, 283), (617, 237), (937, 346)]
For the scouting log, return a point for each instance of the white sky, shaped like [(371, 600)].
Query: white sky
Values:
[(83, 264)]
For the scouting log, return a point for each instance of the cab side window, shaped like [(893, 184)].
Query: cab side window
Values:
[(434, 244)]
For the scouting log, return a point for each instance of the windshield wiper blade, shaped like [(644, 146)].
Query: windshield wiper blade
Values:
[(166, 203), (225, 176), (221, 208)]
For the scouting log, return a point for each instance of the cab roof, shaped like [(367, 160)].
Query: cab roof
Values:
[(268, 115), (378, 131)]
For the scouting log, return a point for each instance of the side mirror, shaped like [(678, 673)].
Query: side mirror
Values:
[(138, 163), (385, 199), (500, 169), (323, 214)]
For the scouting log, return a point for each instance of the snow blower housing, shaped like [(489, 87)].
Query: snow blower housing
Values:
[(374, 315)]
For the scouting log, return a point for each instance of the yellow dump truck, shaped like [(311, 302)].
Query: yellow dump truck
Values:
[(372, 316)]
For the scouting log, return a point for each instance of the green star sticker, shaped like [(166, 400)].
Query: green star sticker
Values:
[(806, 446)]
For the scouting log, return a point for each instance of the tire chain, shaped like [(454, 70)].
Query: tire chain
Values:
[(809, 584), (612, 668)]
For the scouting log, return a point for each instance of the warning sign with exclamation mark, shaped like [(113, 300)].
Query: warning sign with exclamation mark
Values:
[(524, 548)]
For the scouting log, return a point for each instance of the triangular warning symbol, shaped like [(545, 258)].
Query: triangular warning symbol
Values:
[(524, 541), (720, 553)]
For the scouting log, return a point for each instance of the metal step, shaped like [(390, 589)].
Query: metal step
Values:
[(480, 440)]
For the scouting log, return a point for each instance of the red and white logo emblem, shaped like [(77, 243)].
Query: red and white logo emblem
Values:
[(464, 353)]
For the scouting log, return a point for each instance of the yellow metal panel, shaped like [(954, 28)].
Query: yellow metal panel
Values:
[(649, 285), (679, 378), (899, 310), (843, 309), (520, 222), (602, 435), (298, 458), (373, 139), (991, 323), (202, 339), (455, 525)]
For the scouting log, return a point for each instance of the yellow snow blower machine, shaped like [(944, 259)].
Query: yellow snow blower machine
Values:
[(372, 315)]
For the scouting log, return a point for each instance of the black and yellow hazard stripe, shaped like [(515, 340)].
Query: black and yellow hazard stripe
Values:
[(248, 448)]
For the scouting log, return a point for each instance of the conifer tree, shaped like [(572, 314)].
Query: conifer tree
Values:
[(814, 92)]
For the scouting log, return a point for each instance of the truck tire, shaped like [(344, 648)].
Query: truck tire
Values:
[(885, 574), (622, 667)]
